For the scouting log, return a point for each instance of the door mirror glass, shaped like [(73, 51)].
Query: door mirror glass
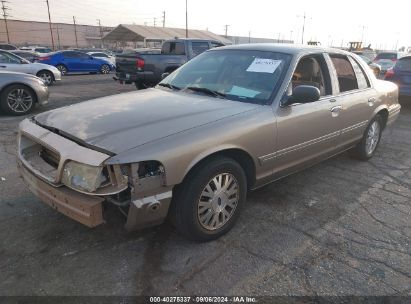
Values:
[(303, 94)]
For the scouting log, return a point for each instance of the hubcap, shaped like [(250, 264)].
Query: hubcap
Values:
[(218, 201), (46, 78), (19, 100), (373, 137)]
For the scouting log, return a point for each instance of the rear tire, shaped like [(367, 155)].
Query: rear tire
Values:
[(17, 100), (207, 204), (368, 145), (105, 69), (140, 85), (62, 68)]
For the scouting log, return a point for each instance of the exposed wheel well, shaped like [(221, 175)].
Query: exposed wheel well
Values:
[(384, 115), (240, 156), (52, 75), (22, 84)]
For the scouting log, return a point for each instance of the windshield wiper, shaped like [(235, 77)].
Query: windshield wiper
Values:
[(206, 91), (170, 86)]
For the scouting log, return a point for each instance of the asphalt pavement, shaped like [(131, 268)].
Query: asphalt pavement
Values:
[(342, 227)]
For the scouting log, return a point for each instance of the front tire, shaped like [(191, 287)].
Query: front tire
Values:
[(368, 145), (207, 204), (46, 76), (17, 100)]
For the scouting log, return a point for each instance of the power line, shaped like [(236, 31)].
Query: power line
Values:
[(4, 8)]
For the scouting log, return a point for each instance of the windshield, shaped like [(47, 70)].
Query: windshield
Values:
[(249, 76)]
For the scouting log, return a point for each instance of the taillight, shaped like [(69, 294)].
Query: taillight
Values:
[(140, 63), (389, 73), (43, 58)]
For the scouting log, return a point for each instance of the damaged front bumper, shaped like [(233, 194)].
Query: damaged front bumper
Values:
[(42, 156)]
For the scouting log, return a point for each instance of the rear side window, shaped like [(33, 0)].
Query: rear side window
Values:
[(404, 64), (345, 73), (362, 79), (386, 56), (199, 47), (173, 48)]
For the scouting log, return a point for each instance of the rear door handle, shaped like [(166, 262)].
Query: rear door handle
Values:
[(2, 66)]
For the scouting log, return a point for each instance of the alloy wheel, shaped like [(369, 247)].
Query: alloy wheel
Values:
[(373, 136), (19, 100), (218, 201)]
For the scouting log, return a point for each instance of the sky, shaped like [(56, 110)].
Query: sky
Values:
[(330, 22)]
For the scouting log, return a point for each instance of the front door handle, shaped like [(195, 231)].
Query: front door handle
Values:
[(335, 111), (3, 66)]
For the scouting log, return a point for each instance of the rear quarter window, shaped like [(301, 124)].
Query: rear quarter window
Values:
[(404, 64)]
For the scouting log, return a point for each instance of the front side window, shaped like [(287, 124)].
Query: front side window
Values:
[(312, 71), (9, 58), (248, 76), (345, 73)]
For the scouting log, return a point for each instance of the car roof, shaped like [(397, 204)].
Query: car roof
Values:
[(293, 49)]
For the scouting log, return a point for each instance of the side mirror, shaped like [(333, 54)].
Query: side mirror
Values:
[(303, 94), (164, 75), (91, 58)]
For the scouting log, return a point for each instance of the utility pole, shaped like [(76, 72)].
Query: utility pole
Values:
[(186, 20), (75, 30), (155, 21), (4, 8), (249, 36), (164, 19), (58, 36), (51, 30), (226, 29), (101, 32), (291, 36), (302, 36)]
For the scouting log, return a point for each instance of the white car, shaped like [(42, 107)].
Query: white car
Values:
[(37, 49), (104, 56), (14, 63)]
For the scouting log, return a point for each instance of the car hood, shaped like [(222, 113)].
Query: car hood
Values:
[(121, 122)]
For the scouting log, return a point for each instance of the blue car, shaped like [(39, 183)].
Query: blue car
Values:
[(401, 75), (75, 61)]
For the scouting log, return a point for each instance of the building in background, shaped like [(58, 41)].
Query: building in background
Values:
[(26, 33), (135, 36)]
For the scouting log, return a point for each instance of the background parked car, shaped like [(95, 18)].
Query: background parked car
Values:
[(401, 75), (376, 68), (387, 59), (146, 69), (13, 63), (29, 55), (103, 56), (37, 49), (7, 47), (20, 92), (75, 61)]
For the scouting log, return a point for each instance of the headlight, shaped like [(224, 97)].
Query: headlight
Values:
[(83, 177)]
